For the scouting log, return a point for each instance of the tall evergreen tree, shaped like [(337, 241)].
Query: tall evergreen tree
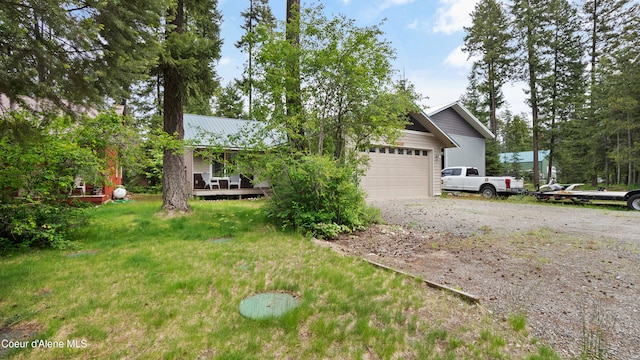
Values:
[(256, 18), (621, 83), (606, 20), (76, 52), (531, 25), (516, 133), (489, 39), (293, 83), (562, 88), (229, 103), (191, 45)]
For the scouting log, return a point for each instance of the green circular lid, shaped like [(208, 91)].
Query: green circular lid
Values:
[(267, 305)]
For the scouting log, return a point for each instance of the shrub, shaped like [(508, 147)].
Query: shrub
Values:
[(317, 195), (25, 225)]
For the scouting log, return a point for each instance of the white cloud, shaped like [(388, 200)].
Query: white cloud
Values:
[(459, 59), (453, 15), (417, 25), (225, 60), (439, 87), (385, 4)]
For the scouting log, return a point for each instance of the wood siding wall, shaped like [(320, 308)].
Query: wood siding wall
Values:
[(453, 124)]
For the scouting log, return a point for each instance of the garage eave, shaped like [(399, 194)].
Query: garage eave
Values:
[(424, 120)]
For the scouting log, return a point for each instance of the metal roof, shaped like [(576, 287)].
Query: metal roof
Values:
[(523, 156), (201, 130)]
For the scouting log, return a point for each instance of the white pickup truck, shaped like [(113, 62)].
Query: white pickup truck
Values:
[(467, 179)]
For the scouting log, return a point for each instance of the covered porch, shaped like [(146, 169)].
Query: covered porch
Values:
[(222, 176)]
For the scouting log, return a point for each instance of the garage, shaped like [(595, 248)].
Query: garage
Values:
[(397, 172), (410, 167)]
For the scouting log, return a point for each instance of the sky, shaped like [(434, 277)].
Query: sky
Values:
[(426, 34)]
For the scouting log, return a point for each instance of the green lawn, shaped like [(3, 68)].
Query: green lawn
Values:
[(144, 285)]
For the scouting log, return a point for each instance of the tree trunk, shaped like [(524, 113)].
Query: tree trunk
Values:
[(174, 180), (629, 159), (533, 88), (293, 99)]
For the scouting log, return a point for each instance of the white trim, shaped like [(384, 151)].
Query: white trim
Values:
[(416, 132)]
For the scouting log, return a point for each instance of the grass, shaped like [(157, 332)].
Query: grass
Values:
[(145, 285)]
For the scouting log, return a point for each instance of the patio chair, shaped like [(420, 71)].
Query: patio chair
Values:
[(78, 183), (234, 180), (208, 181)]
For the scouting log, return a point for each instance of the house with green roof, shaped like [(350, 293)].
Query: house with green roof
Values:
[(521, 163)]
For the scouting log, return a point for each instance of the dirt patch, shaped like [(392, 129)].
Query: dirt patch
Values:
[(17, 336), (572, 270)]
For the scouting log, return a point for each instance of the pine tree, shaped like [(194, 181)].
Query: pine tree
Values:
[(229, 103), (621, 83), (258, 17), (191, 44), (489, 39), (293, 82), (76, 52), (562, 88), (606, 21), (516, 133), (532, 33)]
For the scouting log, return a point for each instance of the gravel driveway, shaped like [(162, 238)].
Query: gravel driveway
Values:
[(574, 271)]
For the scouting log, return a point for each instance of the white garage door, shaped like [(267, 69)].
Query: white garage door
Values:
[(398, 173)]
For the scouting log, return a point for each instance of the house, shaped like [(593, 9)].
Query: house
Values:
[(213, 142), (100, 194), (81, 190), (409, 168), (467, 131), (522, 163)]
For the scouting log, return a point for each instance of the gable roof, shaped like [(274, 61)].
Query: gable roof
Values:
[(465, 114), (433, 128), (203, 130)]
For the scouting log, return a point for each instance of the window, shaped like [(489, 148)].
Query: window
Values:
[(451, 172), (425, 153), (218, 168), (409, 152), (382, 150), (416, 153), (372, 150), (400, 151), (392, 151)]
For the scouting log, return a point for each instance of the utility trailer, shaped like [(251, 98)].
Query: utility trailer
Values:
[(557, 192)]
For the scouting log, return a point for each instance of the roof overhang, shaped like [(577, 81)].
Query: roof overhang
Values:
[(431, 126), (467, 116)]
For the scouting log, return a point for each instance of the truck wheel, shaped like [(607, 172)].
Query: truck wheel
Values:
[(488, 192), (634, 202)]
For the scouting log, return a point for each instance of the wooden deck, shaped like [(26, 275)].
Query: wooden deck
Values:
[(240, 193), (96, 199)]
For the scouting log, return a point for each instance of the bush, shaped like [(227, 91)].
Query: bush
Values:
[(24, 225), (318, 196)]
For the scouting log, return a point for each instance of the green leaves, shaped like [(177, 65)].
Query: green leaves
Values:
[(51, 50), (316, 195)]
